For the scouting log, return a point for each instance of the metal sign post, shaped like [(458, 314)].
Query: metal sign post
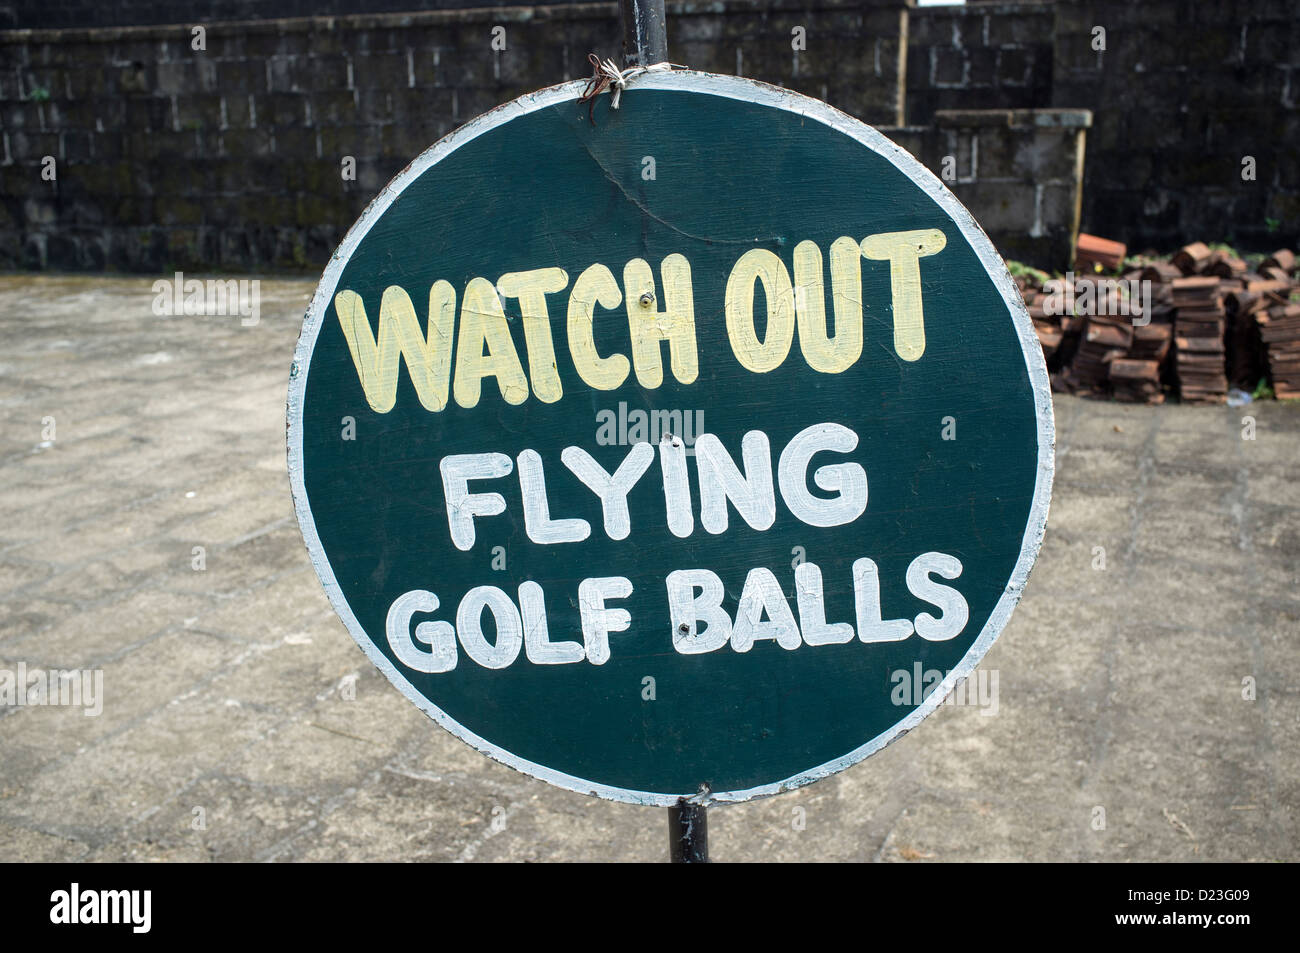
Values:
[(688, 833), (645, 42)]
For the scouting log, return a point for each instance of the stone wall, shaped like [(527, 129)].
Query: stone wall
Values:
[(1183, 93), (978, 56), (87, 14), (231, 157), (1016, 169)]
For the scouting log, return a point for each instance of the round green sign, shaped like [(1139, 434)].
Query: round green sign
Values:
[(694, 448)]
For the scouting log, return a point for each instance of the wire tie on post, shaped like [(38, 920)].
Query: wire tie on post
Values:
[(607, 75)]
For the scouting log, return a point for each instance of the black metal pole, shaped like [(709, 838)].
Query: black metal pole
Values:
[(688, 833), (645, 42), (645, 38)]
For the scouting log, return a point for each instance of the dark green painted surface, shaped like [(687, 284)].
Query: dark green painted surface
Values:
[(551, 189)]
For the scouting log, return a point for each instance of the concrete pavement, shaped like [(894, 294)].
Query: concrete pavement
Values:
[(240, 721)]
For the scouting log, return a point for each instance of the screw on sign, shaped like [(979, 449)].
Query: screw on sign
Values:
[(792, 279)]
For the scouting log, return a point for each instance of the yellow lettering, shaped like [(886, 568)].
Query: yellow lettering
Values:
[(376, 357), (596, 285), (531, 288), (759, 264), (830, 355), (483, 323), (649, 326), (903, 251)]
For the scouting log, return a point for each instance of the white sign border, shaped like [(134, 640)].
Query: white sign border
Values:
[(745, 90)]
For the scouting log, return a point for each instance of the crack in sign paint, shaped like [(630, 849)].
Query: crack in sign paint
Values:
[(667, 224)]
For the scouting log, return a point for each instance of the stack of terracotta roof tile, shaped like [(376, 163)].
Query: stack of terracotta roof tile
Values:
[(1198, 328), (1136, 381), (1279, 266), (1278, 319), (1190, 259), (1093, 253), (1138, 376), (1154, 341), (1247, 361), (1151, 341), (1280, 329), (1105, 338), (1206, 320)]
